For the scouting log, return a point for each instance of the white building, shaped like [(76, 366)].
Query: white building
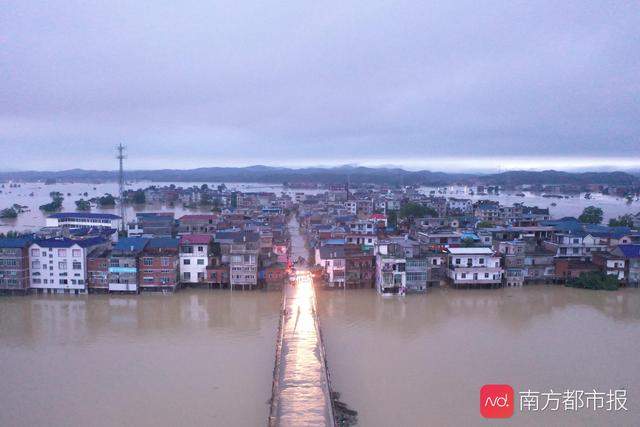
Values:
[(460, 205), (84, 219), (195, 253), (351, 206), (474, 267), (59, 265)]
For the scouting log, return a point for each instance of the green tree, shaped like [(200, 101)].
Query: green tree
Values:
[(591, 215), (106, 200), (139, 197), (392, 219), (83, 205), (416, 210), (8, 213), (622, 221), (56, 202), (596, 281)]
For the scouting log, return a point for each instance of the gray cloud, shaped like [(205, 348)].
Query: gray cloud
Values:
[(195, 83)]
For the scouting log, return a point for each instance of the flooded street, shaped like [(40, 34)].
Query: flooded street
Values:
[(192, 358), (421, 360)]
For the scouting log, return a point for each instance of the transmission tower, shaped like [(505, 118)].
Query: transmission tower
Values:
[(120, 158)]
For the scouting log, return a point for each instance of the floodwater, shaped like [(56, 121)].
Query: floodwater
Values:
[(573, 205), (35, 218), (421, 360), (197, 357)]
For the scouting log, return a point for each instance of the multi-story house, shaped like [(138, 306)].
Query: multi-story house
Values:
[(631, 255), (332, 259), (159, 269), (243, 259), (359, 267), (197, 224), (59, 265), (125, 265), (195, 257), (98, 270), (152, 224), (218, 276), (417, 274), (391, 275), (457, 206), (513, 253), (441, 237), (14, 265), (488, 211), (576, 244), (610, 264), (474, 267)]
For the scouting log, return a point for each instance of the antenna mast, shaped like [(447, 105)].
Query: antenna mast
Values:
[(120, 158)]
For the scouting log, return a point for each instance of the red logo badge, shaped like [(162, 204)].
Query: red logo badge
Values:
[(496, 401)]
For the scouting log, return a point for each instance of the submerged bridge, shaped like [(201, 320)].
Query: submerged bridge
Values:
[(301, 393)]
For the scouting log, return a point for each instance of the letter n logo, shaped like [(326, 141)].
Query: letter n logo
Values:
[(496, 401)]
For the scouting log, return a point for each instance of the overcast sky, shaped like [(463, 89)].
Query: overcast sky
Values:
[(444, 85)]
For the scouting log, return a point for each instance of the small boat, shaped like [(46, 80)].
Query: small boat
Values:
[(520, 194), (554, 204)]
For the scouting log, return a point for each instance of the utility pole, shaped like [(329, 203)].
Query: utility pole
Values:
[(120, 158)]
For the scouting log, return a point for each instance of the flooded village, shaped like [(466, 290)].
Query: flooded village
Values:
[(397, 266)]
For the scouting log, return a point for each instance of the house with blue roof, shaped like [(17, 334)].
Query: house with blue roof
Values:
[(631, 255)]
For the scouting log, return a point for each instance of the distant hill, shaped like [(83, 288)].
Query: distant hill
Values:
[(354, 174)]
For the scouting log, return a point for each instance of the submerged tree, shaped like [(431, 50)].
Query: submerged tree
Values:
[(83, 205), (622, 221), (591, 215)]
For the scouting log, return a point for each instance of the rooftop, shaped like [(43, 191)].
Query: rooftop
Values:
[(470, 251), (84, 215)]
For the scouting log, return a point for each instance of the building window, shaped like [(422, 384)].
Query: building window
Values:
[(62, 252), (77, 265), (200, 261), (147, 261), (34, 252), (481, 260), (458, 260), (62, 265), (185, 262), (165, 262), (76, 253)]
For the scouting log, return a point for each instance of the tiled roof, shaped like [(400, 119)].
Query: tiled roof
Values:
[(630, 251), (196, 239), (131, 244), (162, 243), (67, 243), (198, 217), (331, 252), (15, 243)]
